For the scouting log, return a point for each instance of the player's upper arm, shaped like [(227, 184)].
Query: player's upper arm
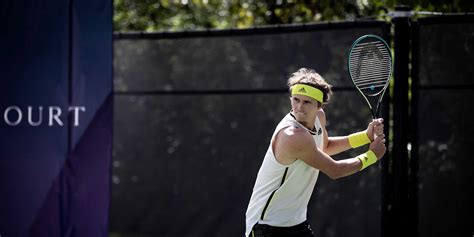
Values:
[(322, 118), (297, 143)]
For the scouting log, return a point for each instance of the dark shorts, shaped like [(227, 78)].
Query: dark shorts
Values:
[(300, 230)]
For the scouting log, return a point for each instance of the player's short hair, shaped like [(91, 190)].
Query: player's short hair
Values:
[(312, 78)]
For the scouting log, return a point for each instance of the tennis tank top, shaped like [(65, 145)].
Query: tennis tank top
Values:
[(281, 193)]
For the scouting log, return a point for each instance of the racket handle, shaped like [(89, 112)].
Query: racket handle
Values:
[(373, 130)]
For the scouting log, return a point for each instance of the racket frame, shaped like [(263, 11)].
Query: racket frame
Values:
[(381, 93)]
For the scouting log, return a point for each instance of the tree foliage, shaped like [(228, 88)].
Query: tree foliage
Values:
[(158, 15)]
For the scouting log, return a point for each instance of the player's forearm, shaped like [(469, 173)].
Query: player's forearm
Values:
[(337, 145), (346, 167), (350, 166)]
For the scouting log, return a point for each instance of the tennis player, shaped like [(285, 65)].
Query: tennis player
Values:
[(298, 150)]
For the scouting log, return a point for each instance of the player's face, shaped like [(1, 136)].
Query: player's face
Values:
[(304, 108)]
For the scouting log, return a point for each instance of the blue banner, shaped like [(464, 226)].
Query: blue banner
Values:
[(56, 117)]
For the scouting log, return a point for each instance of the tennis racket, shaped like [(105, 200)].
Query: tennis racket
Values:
[(370, 68)]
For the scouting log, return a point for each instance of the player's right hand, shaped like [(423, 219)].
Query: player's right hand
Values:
[(378, 146)]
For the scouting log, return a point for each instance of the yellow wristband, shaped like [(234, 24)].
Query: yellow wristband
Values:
[(358, 139), (367, 159)]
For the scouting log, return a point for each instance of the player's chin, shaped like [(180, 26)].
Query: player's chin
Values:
[(300, 115), (297, 111)]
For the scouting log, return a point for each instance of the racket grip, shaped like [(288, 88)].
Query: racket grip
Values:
[(374, 135)]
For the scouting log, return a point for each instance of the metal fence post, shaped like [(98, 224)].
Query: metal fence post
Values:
[(396, 213)]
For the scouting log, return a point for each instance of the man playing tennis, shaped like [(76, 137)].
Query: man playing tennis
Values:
[(299, 149)]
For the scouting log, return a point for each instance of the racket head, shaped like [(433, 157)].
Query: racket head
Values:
[(370, 65)]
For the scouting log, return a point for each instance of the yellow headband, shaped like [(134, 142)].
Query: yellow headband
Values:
[(302, 89)]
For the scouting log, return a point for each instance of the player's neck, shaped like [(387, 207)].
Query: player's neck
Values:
[(308, 123)]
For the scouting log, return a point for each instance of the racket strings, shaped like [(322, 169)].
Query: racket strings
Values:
[(370, 74), (370, 65)]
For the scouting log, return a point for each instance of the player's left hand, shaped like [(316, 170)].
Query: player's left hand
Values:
[(375, 129)]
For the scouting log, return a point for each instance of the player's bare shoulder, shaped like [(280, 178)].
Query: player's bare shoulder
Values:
[(322, 117), (289, 142), (293, 138)]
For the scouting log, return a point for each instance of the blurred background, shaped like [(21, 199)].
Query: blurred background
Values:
[(181, 98), (200, 85), (179, 15)]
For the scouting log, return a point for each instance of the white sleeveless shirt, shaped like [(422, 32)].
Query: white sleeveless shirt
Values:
[(281, 193)]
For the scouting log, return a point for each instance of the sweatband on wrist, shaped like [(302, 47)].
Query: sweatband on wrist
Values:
[(358, 139), (367, 159)]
